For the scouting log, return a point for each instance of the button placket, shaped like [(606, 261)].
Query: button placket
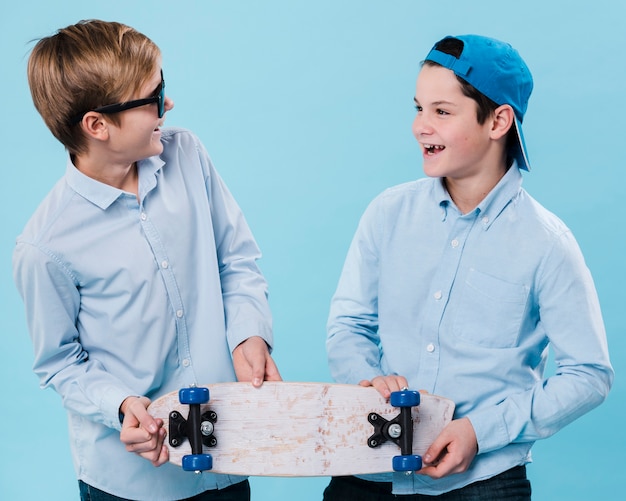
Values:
[(160, 256)]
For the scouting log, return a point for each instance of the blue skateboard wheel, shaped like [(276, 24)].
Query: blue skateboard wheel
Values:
[(197, 462), (194, 395), (405, 398), (407, 463)]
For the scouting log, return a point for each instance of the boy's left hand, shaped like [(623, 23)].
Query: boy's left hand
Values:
[(141, 433), (452, 451), (253, 362)]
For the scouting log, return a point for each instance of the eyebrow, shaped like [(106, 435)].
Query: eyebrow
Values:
[(437, 103)]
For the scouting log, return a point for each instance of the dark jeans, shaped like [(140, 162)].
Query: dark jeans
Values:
[(236, 492), (512, 485)]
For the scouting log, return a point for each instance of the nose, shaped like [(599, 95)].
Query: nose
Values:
[(169, 103), (421, 126)]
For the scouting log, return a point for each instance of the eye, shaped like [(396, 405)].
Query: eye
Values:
[(418, 107), (442, 112)]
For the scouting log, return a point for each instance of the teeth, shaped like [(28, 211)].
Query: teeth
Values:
[(430, 148)]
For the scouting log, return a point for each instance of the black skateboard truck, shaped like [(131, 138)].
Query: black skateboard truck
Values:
[(197, 428), (398, 430)]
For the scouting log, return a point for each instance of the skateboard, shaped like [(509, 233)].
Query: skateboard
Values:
[(299, 429)]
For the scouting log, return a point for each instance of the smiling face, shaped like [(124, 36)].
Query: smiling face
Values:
[(454, 145), (139, 132)]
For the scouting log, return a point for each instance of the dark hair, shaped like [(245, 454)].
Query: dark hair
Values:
[(484, 106), (454, 47)]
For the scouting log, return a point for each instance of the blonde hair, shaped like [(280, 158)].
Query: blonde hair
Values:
[(86, 65)]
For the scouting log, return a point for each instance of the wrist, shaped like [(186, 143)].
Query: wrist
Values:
[(124, 405)]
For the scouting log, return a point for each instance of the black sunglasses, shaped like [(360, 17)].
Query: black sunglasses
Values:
[(116, 108)]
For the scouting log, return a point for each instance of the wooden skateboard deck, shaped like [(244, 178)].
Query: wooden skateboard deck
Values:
[(296, 429)]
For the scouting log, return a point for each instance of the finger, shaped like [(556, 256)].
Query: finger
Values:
[(397, 383), (271, 370), (436, 461), (380, 383), (257, 368), (147, 422), (365, 383), (138, 438), (149, 448), (134, 437), (132, 433), (435, 453), (433, 472), (444, 465), (136, 414), (249, 359), (389, 384), (163, 458)]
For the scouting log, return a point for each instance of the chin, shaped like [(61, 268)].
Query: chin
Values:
[(433, 171), (157, 147)]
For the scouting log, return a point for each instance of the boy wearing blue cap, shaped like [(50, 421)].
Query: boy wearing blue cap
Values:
[(138, 270), (457, 283)]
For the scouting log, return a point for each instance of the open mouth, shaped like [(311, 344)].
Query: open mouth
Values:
[(433, 149)]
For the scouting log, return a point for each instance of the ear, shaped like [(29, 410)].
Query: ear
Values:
[(95, 126), (502, 120)]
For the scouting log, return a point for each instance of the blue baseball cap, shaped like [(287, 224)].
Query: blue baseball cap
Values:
[(495, 69)]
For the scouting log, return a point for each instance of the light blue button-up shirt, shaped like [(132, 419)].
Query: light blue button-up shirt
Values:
[(138, 297), (465, 306)]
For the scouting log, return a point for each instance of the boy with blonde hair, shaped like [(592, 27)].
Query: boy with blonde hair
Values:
[(138, 270)]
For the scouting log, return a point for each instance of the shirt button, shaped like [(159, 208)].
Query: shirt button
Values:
[(430, 348), (164, 264), (179, 313), (485, 220), (454, 243), (438, 295), (143, 216), (186, 362)]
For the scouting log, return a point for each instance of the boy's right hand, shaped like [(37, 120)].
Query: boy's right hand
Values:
[(141, 433), (386, 385)]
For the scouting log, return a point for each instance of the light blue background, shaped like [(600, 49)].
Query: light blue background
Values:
[(306, 109)]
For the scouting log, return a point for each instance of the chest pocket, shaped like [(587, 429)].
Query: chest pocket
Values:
[(491, 311)]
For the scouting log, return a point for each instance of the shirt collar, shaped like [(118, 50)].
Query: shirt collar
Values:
[(500, 196), (495, 201), (103, 195)]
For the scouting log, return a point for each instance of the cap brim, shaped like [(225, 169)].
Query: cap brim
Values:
[(520, 154)]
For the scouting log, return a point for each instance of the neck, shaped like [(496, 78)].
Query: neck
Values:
[(469, 192), (121, 176)]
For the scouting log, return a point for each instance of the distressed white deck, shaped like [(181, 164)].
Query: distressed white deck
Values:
[(302, 429)]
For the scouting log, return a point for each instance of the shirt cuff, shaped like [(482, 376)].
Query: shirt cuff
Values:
[(110, 405), (237, 334), (490, 429)]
